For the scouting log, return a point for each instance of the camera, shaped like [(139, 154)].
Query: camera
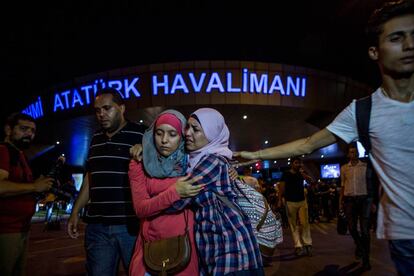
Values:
[(55, 173)]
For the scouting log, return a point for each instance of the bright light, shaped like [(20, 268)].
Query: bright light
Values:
[(289, 159), (62, 154), (257, 171), (303, 155), (361, 150), (141, 121), (288, 163), (251, 168), (322, 156), (244, 117), (274, 162), (57, 142), (266, 142)]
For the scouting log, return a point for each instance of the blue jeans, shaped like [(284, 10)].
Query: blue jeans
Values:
[(105, 245), (402, 254)]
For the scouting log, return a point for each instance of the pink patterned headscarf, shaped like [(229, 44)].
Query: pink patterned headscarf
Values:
[(217, 134)]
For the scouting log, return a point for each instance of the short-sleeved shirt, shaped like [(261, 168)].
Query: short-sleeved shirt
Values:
[(354, 179), (107, 164), (16, 211), (294, 190), (391, 133)]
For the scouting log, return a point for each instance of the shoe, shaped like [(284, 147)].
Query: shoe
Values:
[(299, 251), (308, 250)]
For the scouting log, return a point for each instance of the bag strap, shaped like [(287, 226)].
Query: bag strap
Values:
[(363, 116), (229, 204), (263, 218)]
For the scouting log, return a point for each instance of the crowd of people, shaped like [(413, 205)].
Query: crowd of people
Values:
[(144, 187)]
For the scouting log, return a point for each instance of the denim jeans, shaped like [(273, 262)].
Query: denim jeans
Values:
[(105, 245), (402, 254)]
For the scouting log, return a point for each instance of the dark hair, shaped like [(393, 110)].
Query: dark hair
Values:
[(383, 14), (353, 146), (116, 95), (14, 119), (195, 117), (296, 158)]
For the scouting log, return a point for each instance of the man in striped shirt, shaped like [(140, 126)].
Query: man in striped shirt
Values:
[(112, 223)]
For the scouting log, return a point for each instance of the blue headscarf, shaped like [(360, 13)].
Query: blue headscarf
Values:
[(157, 165)]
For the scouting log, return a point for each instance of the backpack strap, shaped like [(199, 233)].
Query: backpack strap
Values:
[(263, 218), (229, 204), (363, 116)]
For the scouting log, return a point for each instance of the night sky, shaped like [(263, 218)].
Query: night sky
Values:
[(43, 45)]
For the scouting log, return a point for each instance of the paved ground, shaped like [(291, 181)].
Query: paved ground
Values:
[(54, 253)]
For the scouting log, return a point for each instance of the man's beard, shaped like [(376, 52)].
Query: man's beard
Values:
[(23, 143)]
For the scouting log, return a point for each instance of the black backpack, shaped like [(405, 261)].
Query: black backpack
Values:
[(363, 116)]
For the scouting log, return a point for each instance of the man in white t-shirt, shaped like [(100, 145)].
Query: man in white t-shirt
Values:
[(356, 203), (391, 130)]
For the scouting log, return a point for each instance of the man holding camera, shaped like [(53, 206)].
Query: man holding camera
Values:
[(17, 188)]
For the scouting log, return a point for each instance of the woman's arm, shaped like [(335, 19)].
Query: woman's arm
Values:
[(144, 205)]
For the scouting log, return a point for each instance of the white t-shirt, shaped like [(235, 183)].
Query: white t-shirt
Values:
[(391, 132)]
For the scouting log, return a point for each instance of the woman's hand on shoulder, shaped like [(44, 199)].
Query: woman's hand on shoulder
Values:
[(136, 152), (185, 188)]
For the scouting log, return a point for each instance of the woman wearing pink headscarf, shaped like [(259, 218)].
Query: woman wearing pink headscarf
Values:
[(224, 236), (156, 184)]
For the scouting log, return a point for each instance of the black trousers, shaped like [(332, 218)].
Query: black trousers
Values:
[(358, 208)]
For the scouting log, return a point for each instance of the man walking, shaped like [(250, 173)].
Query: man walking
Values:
[(356, 203), (112, 223), (292, 189)]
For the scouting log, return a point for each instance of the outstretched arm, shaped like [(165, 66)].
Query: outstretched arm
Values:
[(306, 145)]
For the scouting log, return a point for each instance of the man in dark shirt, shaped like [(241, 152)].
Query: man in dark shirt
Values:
[(112, 223), (291, 188), (17, 188)]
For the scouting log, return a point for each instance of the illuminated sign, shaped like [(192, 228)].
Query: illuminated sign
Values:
[(35, 109), (171, 84)]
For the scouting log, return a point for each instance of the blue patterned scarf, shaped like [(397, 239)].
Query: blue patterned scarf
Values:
[(157, 165)]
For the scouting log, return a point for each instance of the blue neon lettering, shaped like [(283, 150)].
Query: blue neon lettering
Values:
[(303, 87), (258, 86), (86, 90), (277, 85), (245, 73), (197, 86), (65, 94), (116, 84), (35, 109), (156, 84), (215, 83), (179, 84), (103, 85), (230, 88), (76, 98), (58, 103), (131, 87), (292, 86)]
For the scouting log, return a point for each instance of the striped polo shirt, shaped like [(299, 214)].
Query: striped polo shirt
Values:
[(107, 164)]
